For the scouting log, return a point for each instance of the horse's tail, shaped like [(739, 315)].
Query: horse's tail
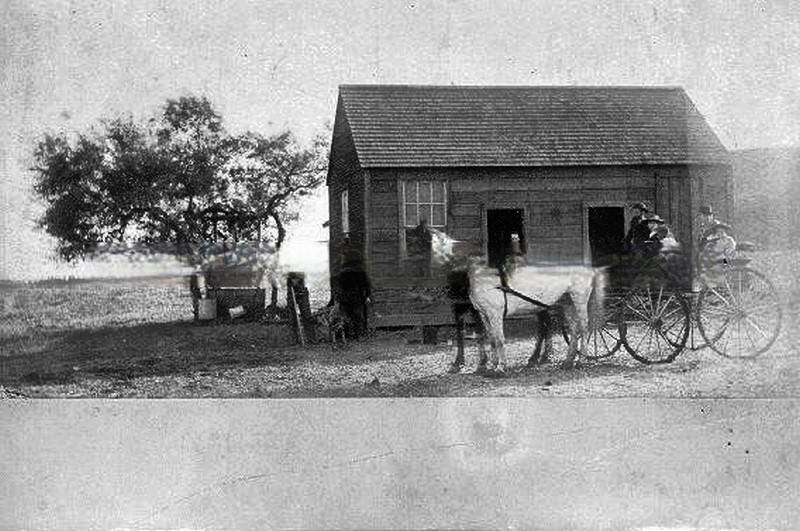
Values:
[(598, 296)]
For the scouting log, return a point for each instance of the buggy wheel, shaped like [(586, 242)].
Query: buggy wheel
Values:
[(655, 323), (604, 338), (738, 314)]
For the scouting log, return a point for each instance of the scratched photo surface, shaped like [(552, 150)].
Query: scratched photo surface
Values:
[(511, 202), (292, 200)]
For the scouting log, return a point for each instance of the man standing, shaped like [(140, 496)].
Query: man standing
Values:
[(354, 293)]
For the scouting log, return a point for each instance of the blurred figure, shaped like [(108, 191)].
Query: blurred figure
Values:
[(648, 234), (663, 234), (637, 231), (704, 221), (418, 248), (354, 293), (197, 287), (719, 245), (718, 250)]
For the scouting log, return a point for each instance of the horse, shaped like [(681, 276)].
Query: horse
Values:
[(457, 267)]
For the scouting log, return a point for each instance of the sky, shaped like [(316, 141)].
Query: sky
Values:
[(270, 65)]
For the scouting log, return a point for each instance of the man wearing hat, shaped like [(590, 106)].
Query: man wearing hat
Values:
[(638, 231)]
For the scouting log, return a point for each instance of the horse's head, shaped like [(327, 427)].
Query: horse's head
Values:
[(442, 247), (452, 253)]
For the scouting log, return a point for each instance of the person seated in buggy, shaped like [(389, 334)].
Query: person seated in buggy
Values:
[(637, 232), (717, 246), (656, 238)]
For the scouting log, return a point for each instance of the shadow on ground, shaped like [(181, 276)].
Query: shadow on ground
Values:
[(156, 349), (180, 348)]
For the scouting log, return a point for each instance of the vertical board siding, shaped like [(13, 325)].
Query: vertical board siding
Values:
[(345, 173)]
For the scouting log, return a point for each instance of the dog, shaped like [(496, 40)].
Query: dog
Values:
[(332, 320)]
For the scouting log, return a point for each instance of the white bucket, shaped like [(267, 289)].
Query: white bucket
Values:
[(207, 309)]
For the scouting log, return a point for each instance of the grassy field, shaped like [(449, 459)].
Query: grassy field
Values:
[(136, 338)]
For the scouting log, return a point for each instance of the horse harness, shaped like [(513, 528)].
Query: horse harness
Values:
[(506, 289)]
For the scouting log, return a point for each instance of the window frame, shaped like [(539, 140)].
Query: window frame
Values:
[(344, 205), (401, 204), (404, 203)]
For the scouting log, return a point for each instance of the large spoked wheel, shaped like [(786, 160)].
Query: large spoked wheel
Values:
[(738, 313), (655, 321), (604, 338)]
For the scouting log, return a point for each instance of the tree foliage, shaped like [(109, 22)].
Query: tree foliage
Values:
[(176, 183)]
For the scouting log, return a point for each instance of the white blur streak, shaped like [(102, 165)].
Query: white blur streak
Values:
[(156, 529), (686, 528)]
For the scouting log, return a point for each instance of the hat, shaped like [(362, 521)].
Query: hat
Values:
[(706, 210), (640, 205)]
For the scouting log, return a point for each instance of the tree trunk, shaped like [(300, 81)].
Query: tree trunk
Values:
[(273, 299)]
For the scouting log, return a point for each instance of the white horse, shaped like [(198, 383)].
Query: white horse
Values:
[(578, 292)]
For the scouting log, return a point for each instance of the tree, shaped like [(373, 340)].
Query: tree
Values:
[(179, 183)]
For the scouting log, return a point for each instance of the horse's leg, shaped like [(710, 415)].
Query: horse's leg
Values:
[(493, 331), (579, 326), (544, 338), (480, 329), (582, 309), (500, 358), (458, 363), (547, 335), (572, 334), (497, 338), (536, 357), (486, 335)]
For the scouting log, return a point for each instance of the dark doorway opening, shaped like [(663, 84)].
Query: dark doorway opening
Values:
[(606, 233), (501, 224)]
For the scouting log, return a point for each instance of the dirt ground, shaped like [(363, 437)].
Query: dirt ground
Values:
[(136, 339)]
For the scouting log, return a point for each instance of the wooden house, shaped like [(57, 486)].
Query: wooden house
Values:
[(555, 166)]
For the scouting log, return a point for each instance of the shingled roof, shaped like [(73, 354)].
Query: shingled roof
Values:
[(416, 126)]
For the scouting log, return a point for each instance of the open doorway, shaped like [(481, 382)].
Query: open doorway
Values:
[(501, 224), (606, 233)]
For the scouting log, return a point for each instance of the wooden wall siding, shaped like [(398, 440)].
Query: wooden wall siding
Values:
[(345, 173), (400, 306), (553, 200), (548, 214)]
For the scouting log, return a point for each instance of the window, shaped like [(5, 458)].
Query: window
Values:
[(424, 200), (345, 213)]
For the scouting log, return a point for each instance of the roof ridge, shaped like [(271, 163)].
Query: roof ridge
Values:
[(575, 87)]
